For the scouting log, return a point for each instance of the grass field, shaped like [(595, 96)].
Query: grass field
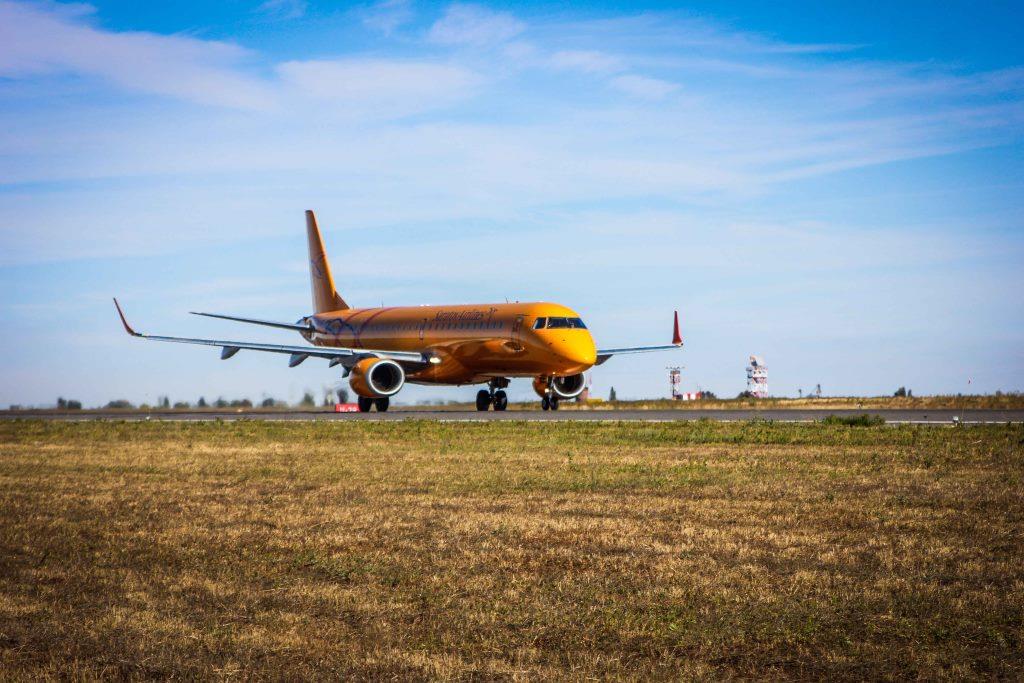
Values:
[(1013, 401), (510, 550), (1001, 401)]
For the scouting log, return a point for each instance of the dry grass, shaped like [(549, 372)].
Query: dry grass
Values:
[(1010, 401), (1014, 401), (510, 550)]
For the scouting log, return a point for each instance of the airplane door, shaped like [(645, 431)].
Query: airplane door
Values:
[(423, 324), (517, 328)]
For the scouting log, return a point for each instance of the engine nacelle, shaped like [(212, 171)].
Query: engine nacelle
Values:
[(377, 377), (562, 387)]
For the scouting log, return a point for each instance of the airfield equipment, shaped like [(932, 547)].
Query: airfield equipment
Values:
[(757, 378), (675, 379)]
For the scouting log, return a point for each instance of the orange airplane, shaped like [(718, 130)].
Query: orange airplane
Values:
[(380, 349)]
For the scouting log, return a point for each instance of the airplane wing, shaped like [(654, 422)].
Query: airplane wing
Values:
[(299, 327), (337, 355), (677, 342)]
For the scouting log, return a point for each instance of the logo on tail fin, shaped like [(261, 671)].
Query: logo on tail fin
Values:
[(316, 267)]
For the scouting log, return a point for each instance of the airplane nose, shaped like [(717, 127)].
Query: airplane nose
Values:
[(578, 349)]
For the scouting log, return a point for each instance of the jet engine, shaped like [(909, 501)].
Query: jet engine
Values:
[(562, 387), (377, 377)]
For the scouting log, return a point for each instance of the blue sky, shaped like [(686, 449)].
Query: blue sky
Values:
[(836, 187)]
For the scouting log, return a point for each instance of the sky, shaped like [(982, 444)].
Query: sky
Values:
[(836, 187)]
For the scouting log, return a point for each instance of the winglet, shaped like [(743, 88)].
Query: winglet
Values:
[(127, 327), (676, 337)]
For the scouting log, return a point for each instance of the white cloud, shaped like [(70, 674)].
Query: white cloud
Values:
[(337, 124), (644, 87), (591, 61), (522, 53), (387, 16), (380, 87), (475, 26), (39, 40), (655, 31)]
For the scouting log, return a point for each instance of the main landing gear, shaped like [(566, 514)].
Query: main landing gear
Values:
[(493, 395), (366, 403)]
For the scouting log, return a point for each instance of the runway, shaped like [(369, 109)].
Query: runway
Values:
[(936, 417)]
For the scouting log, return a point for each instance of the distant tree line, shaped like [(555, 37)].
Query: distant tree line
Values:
[(164, 402)]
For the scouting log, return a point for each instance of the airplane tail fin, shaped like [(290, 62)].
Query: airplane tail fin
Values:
[(325, 296)]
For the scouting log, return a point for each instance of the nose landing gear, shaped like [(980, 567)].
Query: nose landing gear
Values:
[(493, 395), (548, 398), (366, 403), (549, 402)]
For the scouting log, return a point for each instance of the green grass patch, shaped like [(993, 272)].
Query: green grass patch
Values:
[(862, 420)]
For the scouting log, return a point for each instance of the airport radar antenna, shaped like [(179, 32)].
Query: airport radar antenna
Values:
[(757, 378)]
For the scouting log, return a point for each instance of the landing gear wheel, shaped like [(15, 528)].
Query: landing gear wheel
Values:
[(500, 400), (483, 400), (545, 403), (554, 403), (364, 404), (382, 404)]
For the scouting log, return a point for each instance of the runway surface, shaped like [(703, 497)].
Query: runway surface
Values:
[(945, 416)]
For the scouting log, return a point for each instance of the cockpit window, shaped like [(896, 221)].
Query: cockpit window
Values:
[(561, 323), (540, 323)]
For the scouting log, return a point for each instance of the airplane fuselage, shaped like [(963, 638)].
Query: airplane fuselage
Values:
[(471, 343)]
